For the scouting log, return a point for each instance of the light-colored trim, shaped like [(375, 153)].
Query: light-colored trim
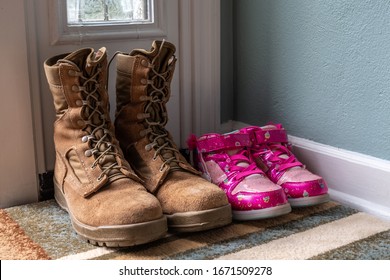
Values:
[(18, 180), (35, 96), (199, 66), (354, 179), (61, 33)]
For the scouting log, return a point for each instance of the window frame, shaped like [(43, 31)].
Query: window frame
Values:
[(62, 33)]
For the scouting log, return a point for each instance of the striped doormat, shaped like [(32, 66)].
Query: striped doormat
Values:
[(325, 232)]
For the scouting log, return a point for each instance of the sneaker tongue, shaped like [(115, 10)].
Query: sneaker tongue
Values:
[(240, 163), (283, 156), (269, 127), (273, 127)]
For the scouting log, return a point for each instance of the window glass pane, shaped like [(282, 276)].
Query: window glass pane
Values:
[(116, 11), (105, 11)]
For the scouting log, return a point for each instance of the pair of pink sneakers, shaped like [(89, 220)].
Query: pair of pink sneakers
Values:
[(258, 171)]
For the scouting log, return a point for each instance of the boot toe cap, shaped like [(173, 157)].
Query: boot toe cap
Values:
[(185, 192), (121, 203)]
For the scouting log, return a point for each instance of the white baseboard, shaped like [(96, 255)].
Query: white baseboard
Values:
[(354, 179)]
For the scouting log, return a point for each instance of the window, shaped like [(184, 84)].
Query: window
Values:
[(77, 21), (92, 12)]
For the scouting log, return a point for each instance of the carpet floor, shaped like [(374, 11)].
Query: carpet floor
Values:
[(326, 232)]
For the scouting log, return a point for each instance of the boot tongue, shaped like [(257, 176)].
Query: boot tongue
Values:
[(96, 57), (93, 59), (160, 54), (88, 61), (108, 159), (167, 154), (79, 57), (100, 116)]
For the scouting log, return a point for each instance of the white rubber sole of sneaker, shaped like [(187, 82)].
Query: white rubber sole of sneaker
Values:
[(308, 201), (261, 213)]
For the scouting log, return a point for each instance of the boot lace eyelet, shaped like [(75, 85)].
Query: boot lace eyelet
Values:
[(71, 72), (148, 148), (144, 81), (75, 88), (84, 139), (88, 153), (144, 63)]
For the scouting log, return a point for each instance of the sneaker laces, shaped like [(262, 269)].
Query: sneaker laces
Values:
[(238, 165), (278, 156)]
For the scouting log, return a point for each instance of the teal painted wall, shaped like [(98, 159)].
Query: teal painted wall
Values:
[(321, 68)]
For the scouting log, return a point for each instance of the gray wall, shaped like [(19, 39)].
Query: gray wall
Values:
[(321, 68)]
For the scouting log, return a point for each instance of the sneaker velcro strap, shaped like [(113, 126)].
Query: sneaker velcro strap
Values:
[(215, 142), (271, 136)]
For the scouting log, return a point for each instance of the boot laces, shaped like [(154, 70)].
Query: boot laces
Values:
[(156, 117), (100, 138)]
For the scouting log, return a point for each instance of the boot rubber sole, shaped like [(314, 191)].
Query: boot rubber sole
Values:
[(265, 213), (194, 221), (308, 201), (115, 235)]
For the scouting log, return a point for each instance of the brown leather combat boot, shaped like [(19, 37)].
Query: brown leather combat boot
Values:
[(107, 204), (190, 202)]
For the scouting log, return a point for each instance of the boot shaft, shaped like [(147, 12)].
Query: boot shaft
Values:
[(143, 89), (72, 76), (83, 133), (144, 73)]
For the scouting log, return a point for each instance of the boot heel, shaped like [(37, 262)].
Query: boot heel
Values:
[(59, 197)]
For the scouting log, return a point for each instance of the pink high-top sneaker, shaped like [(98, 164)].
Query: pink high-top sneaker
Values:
[(225, 161), (272, 153)]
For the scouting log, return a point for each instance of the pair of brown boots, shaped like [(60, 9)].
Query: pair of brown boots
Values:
[(126, 185)]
